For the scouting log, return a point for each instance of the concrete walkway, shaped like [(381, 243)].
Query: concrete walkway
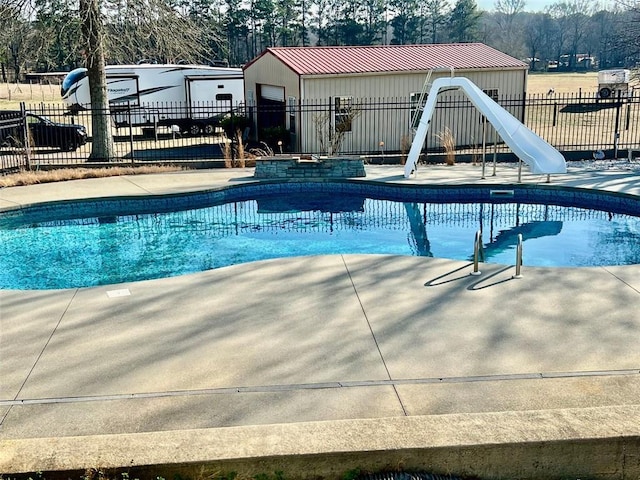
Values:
[(283, 362)]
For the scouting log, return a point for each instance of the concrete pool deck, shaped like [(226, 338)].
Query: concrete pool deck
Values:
[(318, 365)]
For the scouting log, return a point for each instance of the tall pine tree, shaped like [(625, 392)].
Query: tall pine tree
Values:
[(463, 22)]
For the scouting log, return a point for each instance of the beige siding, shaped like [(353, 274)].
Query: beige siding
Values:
[(266, 70), (402, 85), (392, 125)]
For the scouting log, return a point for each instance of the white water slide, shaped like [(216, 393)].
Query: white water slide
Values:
[(526, 145)]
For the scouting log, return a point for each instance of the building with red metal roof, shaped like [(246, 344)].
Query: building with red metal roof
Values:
[(289, 85), (390, 58)]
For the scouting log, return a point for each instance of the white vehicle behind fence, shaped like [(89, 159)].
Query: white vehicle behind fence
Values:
[(613, 83), (193, 98)]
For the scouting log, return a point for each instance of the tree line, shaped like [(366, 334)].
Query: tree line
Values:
[(46, 35)]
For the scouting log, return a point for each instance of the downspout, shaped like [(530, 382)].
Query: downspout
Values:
[(524, 93), (299, 114)]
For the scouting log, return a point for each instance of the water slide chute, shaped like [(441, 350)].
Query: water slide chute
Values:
[(541, 157)]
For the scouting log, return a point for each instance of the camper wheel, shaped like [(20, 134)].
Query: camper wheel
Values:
[(209, 129), (605, 92)]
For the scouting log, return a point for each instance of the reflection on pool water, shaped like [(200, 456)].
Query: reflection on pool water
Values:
[(111, 249)]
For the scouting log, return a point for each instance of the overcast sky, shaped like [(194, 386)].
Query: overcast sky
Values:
[(532, 5)]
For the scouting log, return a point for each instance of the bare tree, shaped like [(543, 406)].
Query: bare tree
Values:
[(573, 19), (331, 127), (535, 38), (102, 148), (509, 8), (624, 47), (152, 29), (15, 34), (507, 28)]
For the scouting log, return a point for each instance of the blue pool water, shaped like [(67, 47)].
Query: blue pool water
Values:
[(61, 248)]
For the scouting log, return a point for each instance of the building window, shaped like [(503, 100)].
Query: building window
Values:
[(416, 107), (492, 92), (343, 114), (291, 109)]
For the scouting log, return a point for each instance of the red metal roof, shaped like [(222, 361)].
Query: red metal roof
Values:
[(391, 58)]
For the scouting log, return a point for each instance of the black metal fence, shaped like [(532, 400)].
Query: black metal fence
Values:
[(586, 123), (577, 125)]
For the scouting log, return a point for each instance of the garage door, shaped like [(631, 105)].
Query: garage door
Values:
[(269, 92)]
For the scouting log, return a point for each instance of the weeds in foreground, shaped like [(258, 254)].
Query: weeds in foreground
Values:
[(33, 177), (241, 152), (235, 155), (405, 147), (353, 474), (263, 151), (448, 142)]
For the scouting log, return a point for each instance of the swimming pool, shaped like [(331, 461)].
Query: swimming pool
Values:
[(108, 241)]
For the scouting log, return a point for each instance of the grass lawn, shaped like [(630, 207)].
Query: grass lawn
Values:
[(538, 83), (12, 94)]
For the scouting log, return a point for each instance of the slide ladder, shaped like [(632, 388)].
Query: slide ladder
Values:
[(541, 157), (426, 86)]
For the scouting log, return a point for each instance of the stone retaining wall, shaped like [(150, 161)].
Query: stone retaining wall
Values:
[(294, 167)]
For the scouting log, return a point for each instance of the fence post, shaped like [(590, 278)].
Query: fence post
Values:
[(155, 127), (330, 123), (484, 145), (616, 138), (495, 151), (27, 136), (130, 133)]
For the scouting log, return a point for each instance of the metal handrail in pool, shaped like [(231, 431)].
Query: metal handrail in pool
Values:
[(518, 257), (477, 253)]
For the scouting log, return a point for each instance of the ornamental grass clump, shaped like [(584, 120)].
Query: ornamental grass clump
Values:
[(448, 142)]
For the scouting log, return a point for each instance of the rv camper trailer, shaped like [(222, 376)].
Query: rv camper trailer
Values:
[(195, 98), (613, 84)]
